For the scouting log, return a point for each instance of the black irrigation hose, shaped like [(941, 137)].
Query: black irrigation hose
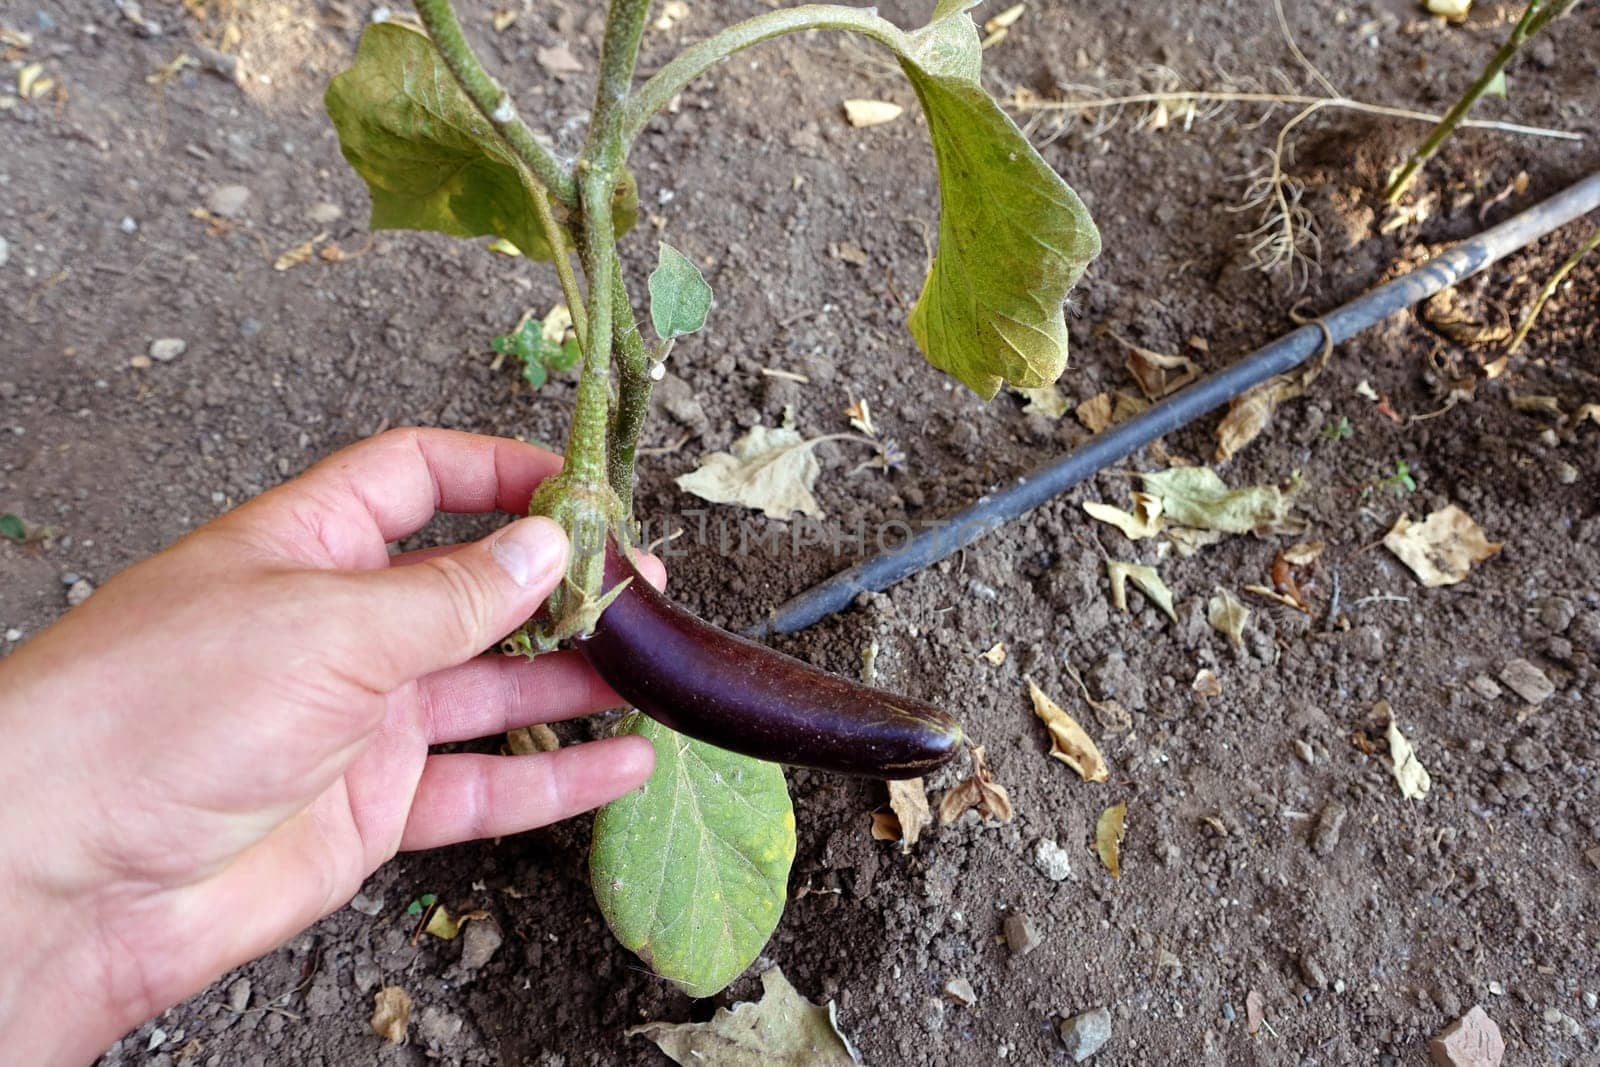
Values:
[(1101, 451)]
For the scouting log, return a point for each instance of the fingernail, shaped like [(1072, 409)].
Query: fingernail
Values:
[(530, 549)]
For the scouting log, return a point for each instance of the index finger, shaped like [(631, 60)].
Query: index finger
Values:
[(378, 490)]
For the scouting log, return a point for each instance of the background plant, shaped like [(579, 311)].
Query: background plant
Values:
[(691, 871)]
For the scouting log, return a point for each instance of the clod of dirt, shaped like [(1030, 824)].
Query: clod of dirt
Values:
[(1112, 679), (439, 1027), (1527, 681), (1471, 1041), (391, 1014), (479, 942), (676, 397), (1052, 860), (228, 201), (239, 994), (1085, 1034), (1330, 821), (1021, 933)]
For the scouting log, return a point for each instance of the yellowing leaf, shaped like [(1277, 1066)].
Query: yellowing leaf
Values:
[(1197, 496), (1442, 548), (1148, 581), (996, 654), (391, 1014), (430, 159), (1108, 831), (980, 791), (1069, 742), (1104, 410), (526, 740), (1409, 773), (1226, 614), (1013, 237), (782, 1029), (770, 469), (1144, 521), (862, 113)]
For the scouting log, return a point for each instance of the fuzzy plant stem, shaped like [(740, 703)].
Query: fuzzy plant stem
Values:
[(560, 255), (1538, 15), (633, 395), (493, 101)]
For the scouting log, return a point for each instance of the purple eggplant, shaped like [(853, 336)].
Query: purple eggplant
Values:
[(722, 689)]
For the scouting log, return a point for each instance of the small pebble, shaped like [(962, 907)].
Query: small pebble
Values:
[(8, 390), (480, 939), (1022, 933), (1566, 473), (5, 251), (140, 362), (1052, 860), (127, 225), (960, 990), (1228, 1011), (1303, 750), (249, 327), (1471, 1041), (366, 905), (1085, 1034), (239, 995), (70, 578), (228, 201), (1527, 681), (324, 213), (167, 349), (13, 634), (1330, 821), (80, 591)]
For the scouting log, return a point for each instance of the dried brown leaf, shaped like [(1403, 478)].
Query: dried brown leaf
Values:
[(300, 253), (1157, 373), (769, 468), (1069, 742), (979, 791), (1442, 548), (1207, 684), (908, 801), (1046, 400), (1144, 521), (996, 654), (1227, 615), (782, 1029), (1409, 773), (391, 1014), (1255, 1014), (1108, 832), (526, 740), (863, 113), (1146, 579)]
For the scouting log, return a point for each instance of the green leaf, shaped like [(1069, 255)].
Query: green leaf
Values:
[(13, 528), (679, 295), (430, 160), (690, 871), (1013, 237)]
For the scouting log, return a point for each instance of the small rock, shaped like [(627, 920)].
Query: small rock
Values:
[(1022, 933), (78, 592), (167, 349), (479, 941), (249, 327), (228, 201), (1527, 681), (960, 990), (1085, 1034), (13, 635), (1303, 750), (366, 905), (140, 362), (1543, 53), (1471, 1041), (1485, 687), (5, 251), (71, 578), (325, 212), (677, 398), (1330, 821), (128, 225), (8, 390), (366, 977), (239, 995), (1559, 1018), (1052, 860)]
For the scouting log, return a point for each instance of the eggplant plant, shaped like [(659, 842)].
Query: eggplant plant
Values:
[(691, 870)]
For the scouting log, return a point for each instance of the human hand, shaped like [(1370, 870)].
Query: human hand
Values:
[(220, 745)]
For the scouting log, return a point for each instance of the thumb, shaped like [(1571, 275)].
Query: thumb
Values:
[(448, 608)]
